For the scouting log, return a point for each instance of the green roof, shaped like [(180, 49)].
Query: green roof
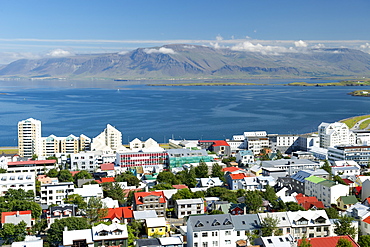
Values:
[(328, 183), (315, 179), (349, 199)]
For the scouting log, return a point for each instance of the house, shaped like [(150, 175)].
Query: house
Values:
[(256, 170), (296, 182), (364, 225), (325, 190), (291, 166), (154, 200), (220, 147), (186, 207), (248, 183), (119, 215), (345, 202), (112, 235), (365, 191), (155, 226), (29, 241), (309, 202), (237, 209), (59, 212), (43, 179), (284, 223), (56, 192), (245, 157), (233, 180), (17, 217), (346, 170), (209, 182), (160, 242), (89, 191), (142, 215), (328, 241), (274, 241), (210, 230), (32, 166), (25, 181), (244, 224)]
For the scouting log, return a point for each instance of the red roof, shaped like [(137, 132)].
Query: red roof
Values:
[(237, 176), (357, 190), (32, 162), (231, 169), (119, 213), (107, 167), (106, 180), (74, 172), (367, 220), (180, 186), (216, 142), (347, 181), (328, 241), (3, 214), (139, 195), (308, 202)]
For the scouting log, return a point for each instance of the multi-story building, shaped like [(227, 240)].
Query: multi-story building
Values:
[(256, 144), (34, 166), (56, 192), (142, 159), (154, 200), (29, 137), (180, 157), (291, 166), (110, 138), (284, 143), (53, 145), (186, 207), (245, 157), (334, 134), (220, 147), (326, 191), (360, 154), (89, 161), (25, 181)]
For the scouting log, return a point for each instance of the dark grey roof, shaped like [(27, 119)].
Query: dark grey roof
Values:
[(210, 222), (246, 222), (149, 242)]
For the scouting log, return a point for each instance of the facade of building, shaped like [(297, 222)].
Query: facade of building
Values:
[(335, 134), (154, 200), (186, 207), (29, 137), (134, 159), (360, 154), (89, 161), (245, 157), (25, 181), (109, 139), (33, 166), (180, 157), (71, 144), (256, 144), (56, 192)]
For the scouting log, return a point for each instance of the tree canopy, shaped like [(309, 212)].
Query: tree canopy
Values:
[(343, 242), (128, 177), (343, 226), (254, 200), (95, 210), (364, 241), (217, 172), (201, 171), (305, 242), (269, 226), (13, 233), (167, 177), (77, 200), (65, 176)]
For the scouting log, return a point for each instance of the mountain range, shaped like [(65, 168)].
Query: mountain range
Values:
[(182, 61)]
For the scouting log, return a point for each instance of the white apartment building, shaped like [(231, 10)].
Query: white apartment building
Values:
[(34, 166), (186, 207), (89, 161), (324, 190), (256, 144), (110, 138), (360, 154), (345, 168), (89, 190), (55, 193), (334, 134), (25, 181), (29, 137)]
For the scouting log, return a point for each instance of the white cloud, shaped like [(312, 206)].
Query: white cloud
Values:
[(300, 43), (163, 50), (219, 38), (122, 52), (365, 46), (249, 46), (8, 57), (189, 46), (215, 45), (59, 53), (319, 46)]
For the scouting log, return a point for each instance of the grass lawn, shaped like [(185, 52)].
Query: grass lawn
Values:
[(352, 121), (8, 150), (364, 124)]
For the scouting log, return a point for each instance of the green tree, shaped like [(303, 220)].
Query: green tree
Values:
[(128, 177), (269, 194), (305, 242), (162, 186), (82, 175), (223, 193), (65, 176), (95, 210), (182, 194), (293, 206), (52, 158), (343, 226), (2, 170), (338, 179), (52, 173), (34, 157), (343, 242), (131, 236), (364, 241), (217, 172), (187, 177), (254, 201), (201, 171), (114, 191), (167, 177), (137, 228), (332, 213), (327, 167), (279, 155), (251, 236), (198, 194), (39, 227), (55, 232), (13, 233), (77, 200), (19, 194), (216, 211), (269, 226)]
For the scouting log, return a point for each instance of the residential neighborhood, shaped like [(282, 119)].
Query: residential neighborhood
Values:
[(254, 189)]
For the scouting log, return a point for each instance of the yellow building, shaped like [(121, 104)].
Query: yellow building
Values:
[(156, 226)]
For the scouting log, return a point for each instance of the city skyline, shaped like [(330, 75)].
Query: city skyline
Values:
[(50, 29)]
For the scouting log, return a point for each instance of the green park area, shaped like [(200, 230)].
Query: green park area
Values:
[(352, 121)]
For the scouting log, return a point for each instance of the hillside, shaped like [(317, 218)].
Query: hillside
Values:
[(192, 62)]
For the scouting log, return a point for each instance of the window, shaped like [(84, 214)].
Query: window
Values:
[(205, 244), (214, 234), (311, 235), (227, 241), (238, 233), (214, 243), (227, 233), (269, 241), (204, 234), (318, 229), (296, 230), (195, 235)]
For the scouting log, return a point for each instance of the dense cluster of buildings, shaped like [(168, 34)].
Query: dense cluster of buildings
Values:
[(289, 163)]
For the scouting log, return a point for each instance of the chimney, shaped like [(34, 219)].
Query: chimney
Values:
[(66, 228), (17, 214)]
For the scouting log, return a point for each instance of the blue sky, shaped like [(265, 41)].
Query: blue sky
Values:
[(37, 28)]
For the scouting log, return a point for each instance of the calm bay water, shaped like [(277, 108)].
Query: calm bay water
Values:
[(193, 112)]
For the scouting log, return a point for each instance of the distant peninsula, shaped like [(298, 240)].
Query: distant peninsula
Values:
[(205, 84), (361, 93), (331, 84)]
